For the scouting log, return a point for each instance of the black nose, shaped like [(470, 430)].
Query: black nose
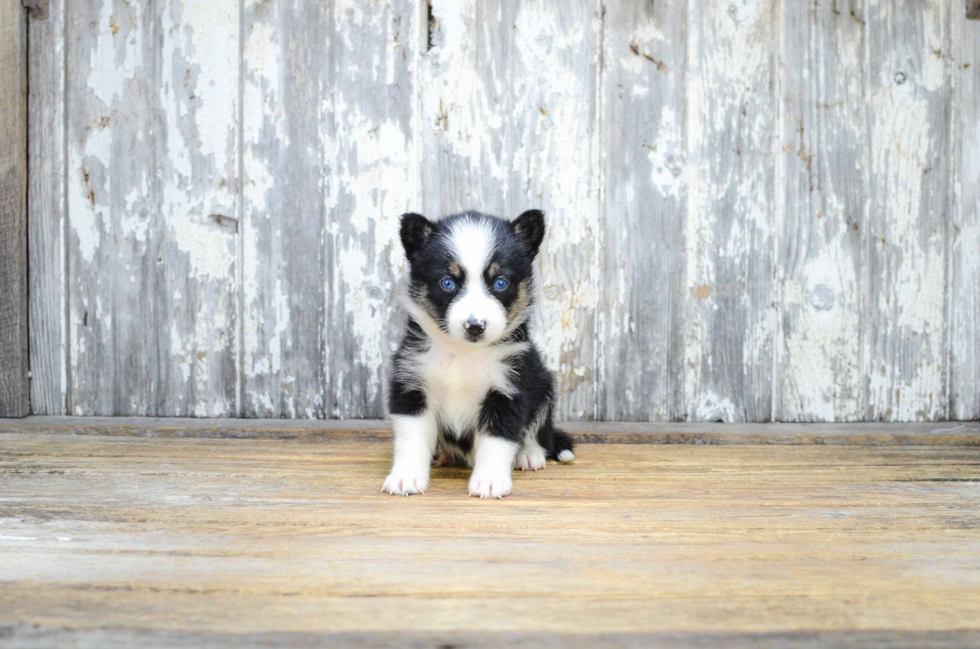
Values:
[(474, 327)]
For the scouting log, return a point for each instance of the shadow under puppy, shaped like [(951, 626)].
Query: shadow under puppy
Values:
[(467, 383)]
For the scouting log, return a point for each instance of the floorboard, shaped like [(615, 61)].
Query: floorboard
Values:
[(152, 541)]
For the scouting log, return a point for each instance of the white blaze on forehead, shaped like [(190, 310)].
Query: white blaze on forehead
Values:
[(472, 244)]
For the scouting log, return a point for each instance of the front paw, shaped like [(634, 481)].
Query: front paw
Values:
[(490, 484), (405, 483)]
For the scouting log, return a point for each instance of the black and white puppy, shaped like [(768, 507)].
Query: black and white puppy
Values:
[(468, 385)]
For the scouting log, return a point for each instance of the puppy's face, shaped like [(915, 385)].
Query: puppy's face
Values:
[(471, 273)]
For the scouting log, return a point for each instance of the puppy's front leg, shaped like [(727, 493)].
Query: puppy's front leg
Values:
[(495, 446), (493, 464), (415, 442)]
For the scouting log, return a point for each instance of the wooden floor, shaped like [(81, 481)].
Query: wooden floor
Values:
[(151, 541)]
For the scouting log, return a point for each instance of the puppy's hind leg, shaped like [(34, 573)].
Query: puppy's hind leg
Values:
[(533, 456), (557, 441)]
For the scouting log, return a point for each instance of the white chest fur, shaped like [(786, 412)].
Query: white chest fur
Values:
[(456, 382)]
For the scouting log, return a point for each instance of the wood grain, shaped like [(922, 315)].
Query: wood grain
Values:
[(27, 636), (905, 347), (973, 9), (198, 537), (329, 158), (964, 278), (372, 157), (151, 198), (643, 298), (732, 136), (508, 124), (46, 213), (583, 432), (283, 228), (14, 381), (757, 210), (823, 153)]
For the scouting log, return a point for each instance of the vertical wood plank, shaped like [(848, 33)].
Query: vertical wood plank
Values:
[(964, 289), (14, 382), (110, 58), (329, 104), (285, 99), (824, 143), (199, 76), (508, 119), (371, 155), (905, 350), (151, 198), (731, 135), (46, 213), (642, 262)]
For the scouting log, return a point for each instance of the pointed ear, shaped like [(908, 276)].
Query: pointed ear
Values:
[(529, 228), (415, 231)]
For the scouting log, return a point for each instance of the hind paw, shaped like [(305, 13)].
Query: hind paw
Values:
[(530, 460)]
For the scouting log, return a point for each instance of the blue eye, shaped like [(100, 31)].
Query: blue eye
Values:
[(500, 284), (447, 284)]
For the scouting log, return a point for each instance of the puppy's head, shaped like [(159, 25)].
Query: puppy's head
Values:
[(472, 273)]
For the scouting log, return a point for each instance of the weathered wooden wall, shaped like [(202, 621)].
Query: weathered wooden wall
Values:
[(760, 209), (14, 386)]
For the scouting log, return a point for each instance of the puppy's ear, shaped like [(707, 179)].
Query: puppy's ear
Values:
[(529, 228), (415, 232)]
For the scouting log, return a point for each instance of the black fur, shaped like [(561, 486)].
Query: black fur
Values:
[(429, 264), (404, 396), (415, 231), (517, 244), (529, 228)]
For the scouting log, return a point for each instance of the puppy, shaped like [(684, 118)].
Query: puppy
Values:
[(467, 381)]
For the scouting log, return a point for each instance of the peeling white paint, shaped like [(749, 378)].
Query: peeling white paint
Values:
[(500, 115), (117, 56)]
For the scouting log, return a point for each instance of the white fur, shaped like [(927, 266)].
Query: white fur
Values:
[(456, 374), (493, 464), (415, 442), (533, 456), (456, 377), (473, 243), (566, 456), (457, 384)]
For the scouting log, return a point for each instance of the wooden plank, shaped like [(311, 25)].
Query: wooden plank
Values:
[(824, 145), (732, 141), (285, 96), (30, 636), (200, 537), (905, 348), (508, 124), (199, 73), (642, 305), (591, 432), (372, 158), (46, 213), (152, 197), (964, 278), (14, 381), (329, 160)]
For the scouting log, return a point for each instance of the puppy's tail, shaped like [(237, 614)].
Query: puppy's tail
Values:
[(562, 446)]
